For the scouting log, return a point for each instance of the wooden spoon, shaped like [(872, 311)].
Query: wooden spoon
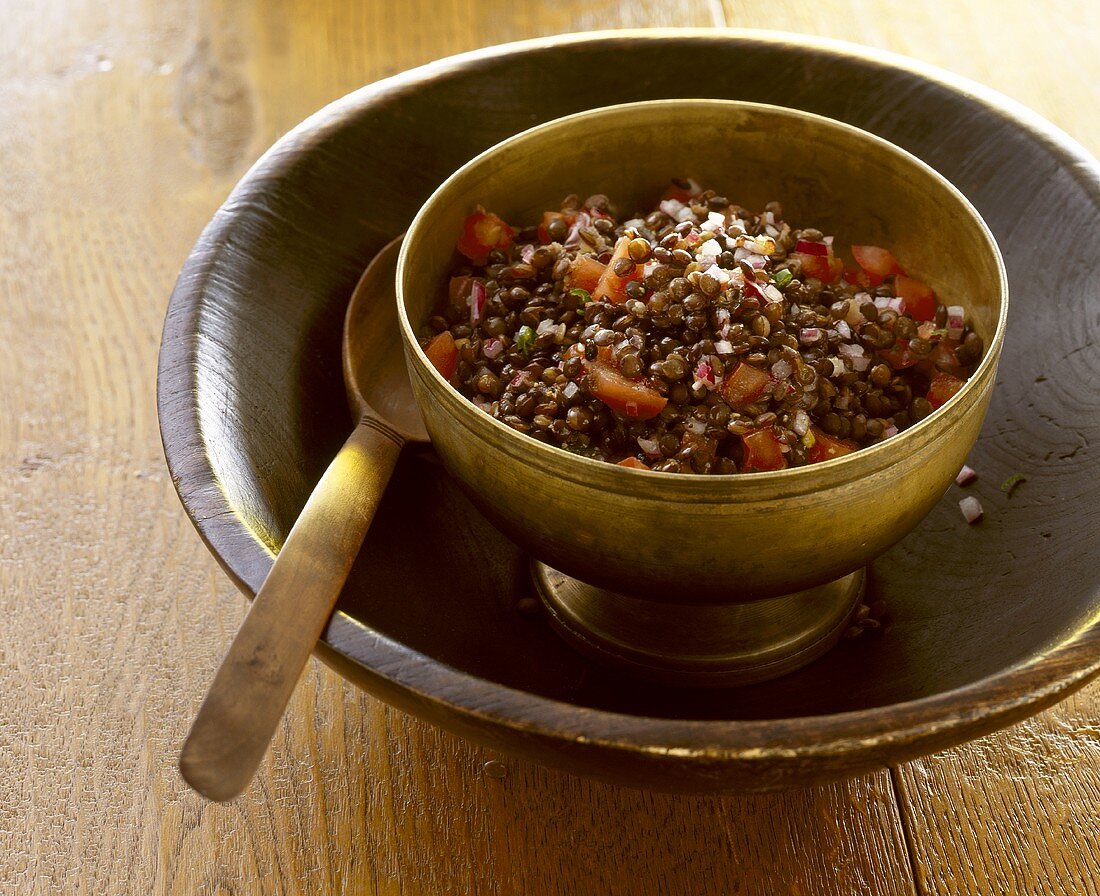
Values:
[(251, 689)]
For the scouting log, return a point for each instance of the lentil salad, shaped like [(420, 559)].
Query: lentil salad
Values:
[(700, 337)]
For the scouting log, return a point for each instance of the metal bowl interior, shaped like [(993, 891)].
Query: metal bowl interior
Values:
[(765, 534), (987, 624)]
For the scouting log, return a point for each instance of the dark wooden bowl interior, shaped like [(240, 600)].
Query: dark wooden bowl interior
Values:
[(986, 624)]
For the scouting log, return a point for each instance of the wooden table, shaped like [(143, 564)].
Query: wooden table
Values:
[(122, 128)]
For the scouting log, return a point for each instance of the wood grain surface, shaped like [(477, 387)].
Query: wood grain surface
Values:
[(122, 128)]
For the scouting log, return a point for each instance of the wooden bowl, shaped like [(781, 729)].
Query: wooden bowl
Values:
[(986, 624)]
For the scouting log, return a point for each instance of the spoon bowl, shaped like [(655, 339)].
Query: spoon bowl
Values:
[(375, 375)]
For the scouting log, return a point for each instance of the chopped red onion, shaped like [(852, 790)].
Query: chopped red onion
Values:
[(850, 350), (828, 240), (671, 207), (966, 476), (890, 431), (476, 301), (926, 329), (781, 369), (860, 363), (971, 508), (710, 247), (696, 425), (649, 446), (491, 348), (956, 315), (685, 214), (704, 374), (843, 330), (801, 422), (809, 335), (897, 304), (882, 302), (719, 274), (548, 327), (723, 347), (527, 253), (772, 293)]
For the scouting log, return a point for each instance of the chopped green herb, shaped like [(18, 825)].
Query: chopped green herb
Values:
[(783, 277), (1014, 480), (525, 339), (582, 294)]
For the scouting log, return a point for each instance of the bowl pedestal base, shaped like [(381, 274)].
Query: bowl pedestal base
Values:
[(711, 645)]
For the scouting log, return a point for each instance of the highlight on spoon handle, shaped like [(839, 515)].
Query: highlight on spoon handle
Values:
[(253, 685)]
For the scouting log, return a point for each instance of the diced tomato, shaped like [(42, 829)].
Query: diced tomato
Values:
[(898, 355), (825, 447), (633, 463), (585, 273), (825, 268), (547, 219), (744, 385), (680, 194), (942, 387), (877, 262), (763, 451), (631, 398), (443, 353), (482, 232), (857, 277), (942, 359), (812, 247), (612, 287), (920, 300)]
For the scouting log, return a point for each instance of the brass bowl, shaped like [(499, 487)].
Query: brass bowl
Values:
[(640, 541)]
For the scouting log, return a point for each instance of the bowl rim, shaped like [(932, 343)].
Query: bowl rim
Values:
[(417, 679), (708, 487)]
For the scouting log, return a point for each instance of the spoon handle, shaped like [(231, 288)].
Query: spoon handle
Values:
[(247, 698)]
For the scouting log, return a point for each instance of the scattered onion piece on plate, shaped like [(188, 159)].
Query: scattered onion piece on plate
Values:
[(971, 508), (966, 476)]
